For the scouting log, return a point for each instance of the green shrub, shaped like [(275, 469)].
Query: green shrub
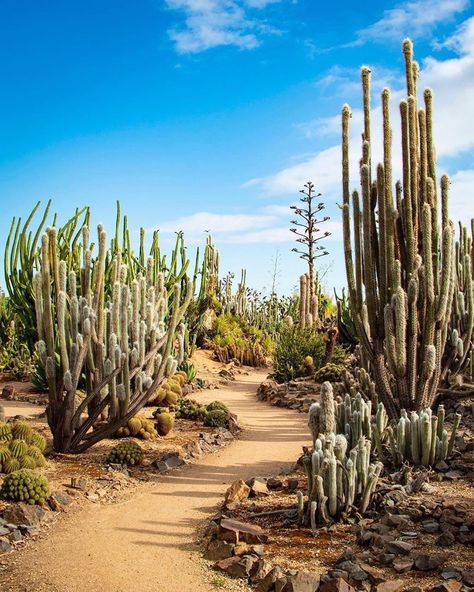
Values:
[(125, 453), (25, 486), (293, 346), (330, 372), (218, 418), (235, 338)]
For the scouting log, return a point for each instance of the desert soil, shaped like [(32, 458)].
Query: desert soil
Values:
[(149, 542)]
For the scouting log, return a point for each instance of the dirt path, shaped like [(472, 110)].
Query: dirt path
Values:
[(147, 543)]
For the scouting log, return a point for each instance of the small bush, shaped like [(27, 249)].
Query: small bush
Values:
[(217, 418), (294, 346)]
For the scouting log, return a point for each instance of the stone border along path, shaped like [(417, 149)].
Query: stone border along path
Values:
[(148, 543)]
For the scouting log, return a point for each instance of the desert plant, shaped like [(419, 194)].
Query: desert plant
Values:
[(127, 452), (399, 268), (25, 485), (138, 427), (421, 438), (345, 323), (164, 422), (339, 479), (20, 447), (330, 372), (123, 344)]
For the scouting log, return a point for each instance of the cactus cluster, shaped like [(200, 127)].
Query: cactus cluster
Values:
[(138, 427), (116, 329), (399, 252), (330, 372), (421, 438), (170, 390), (340, 479), (20, 447), (26, 486), (215, 414), (308, 302), (127, 452)]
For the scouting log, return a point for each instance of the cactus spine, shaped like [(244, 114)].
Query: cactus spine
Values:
[(399, 253)]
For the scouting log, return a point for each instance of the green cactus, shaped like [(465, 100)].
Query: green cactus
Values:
[(5, 431), (20, 453), (127, 452), (399, 253), (216, 418), (340, 479), (164, 423), (422, 438), (25, 485), (330, 372)]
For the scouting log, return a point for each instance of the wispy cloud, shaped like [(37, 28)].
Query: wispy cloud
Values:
[(413, 18), (213, 23), (452, 80)]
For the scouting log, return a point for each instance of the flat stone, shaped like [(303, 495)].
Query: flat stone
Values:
[(258, 488), (23, 514), (425, 562), (398, 547), (247, 533), (268, 582), (402, 564), (468, 577), (173, 461), (5, 546), (274, 483), (397, 520), (58, 500), (386, 558), (430, 526), (15, 536), (217, 550), (242, 569), (446, 539), (336, 585), (390, 586), (225, 564), (261, 568), (303, 581), (237, 492), (246, 549), (4, 531), (451, 574)]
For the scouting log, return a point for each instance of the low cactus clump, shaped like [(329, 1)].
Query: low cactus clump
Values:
[(340, 480), (20, 447), (164, 422), (170, 390), (330, 372), (190, 409), (26, 486), (421, 438), (216, 418), (125, 453), (215, 414), (138, 427)]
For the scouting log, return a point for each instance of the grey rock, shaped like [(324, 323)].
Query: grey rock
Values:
[(446, 539), (24, 514), (268, 582), (426, 562), (217, 550), (302, 581), (58, 500), (15, 536), (5, 546), (398, 547)]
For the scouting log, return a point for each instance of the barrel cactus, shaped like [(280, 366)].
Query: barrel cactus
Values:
[(125, 453), (25, 485), (216, 418), (330, 372), (164, 423), (21, 447), (138, 427)]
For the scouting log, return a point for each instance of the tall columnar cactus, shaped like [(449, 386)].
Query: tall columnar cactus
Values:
[(421, 438), (117, 348), (339, 479), (459, 345), (399, 252), (309, 301)]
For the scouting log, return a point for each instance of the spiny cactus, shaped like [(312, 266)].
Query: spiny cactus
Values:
[(330, 372), (421, 438), (164, 423), (138, 427), (339, 479), (21, 447), (399, 252), (25, 485), (122, 342), (321, 419), (127, 452)]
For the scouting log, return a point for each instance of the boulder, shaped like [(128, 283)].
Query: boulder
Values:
[(217, 550), (302, 581), (236, 531), (237, 492), (23, 514), (426, 562)]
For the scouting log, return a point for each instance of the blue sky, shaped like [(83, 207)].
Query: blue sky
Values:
[(211, 114)]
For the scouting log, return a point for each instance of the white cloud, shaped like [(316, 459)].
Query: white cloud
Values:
[(461, 196), (413, 18), (222, 223), (452, 81), (213, 23)]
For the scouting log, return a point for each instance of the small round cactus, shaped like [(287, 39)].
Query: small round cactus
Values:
[(125, 453), (330, 372), (138, 427), (164, 423), (5, 431), (217, 405), (25, 485), (218, 418), (25, 451)]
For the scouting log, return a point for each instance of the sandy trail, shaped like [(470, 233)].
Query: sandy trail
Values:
[(147, 543)]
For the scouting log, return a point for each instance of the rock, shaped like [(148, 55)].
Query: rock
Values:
[(468, 577), (246, 549), (430, 526), (242, 568), (336, 585), (453, 475), (292, 484), (225, 565), (24, 514), (8, 393), (450, 586), (425, 562), (446, 539), (235, 531), (173, 460), (390, 586), (237, 492), (274, 483), (386, 558), (402, 564), (217, 550), (268, 582), (302, 581), (258, 487), (442, 466), (5, 546), (397, 520), (398, 547), (449, 573), (15, 536), (4, 531), (58, 500), (28, 530), (261, 568)]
